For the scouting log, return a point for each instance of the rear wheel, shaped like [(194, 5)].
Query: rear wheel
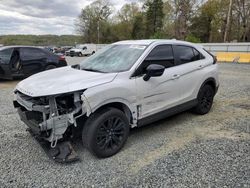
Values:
[(105, 132), (49, 67), (205, 100), (79, 54)]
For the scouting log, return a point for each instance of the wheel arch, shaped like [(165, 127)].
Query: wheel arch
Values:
[(50, 63), (210, 81), (118, 105)]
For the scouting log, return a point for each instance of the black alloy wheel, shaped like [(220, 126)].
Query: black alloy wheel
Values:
[(111, 133), (205, 100), (105, 132)]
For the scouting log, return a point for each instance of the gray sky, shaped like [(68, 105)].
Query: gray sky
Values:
[(43, 16)]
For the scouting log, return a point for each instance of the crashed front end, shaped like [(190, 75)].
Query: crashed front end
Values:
[(49, 118)]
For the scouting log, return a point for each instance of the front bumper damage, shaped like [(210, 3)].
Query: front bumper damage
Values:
[(48, 121)]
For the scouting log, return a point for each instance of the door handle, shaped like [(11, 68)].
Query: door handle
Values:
[(176, 76), (200, 67)]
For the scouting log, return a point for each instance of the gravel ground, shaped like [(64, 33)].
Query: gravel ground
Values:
[(185, 150)]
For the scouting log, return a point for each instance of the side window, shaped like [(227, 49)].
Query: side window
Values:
[(186, 54), (84, 48), (5, 55), (32, 53), (197, 55), (161, 55)]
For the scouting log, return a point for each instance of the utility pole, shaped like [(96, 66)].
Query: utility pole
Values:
[(98, 31), (228, 21)]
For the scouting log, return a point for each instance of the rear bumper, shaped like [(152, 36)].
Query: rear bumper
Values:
[(4, 74), (62, 63), (74, 53)]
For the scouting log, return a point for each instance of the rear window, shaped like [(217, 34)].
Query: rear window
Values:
[(5, 55)]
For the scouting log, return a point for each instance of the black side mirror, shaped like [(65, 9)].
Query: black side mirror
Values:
[(153, 70)]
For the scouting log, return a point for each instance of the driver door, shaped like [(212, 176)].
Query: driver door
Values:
[(158, 93)]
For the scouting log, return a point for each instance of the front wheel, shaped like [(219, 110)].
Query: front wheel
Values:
[(205, 100), (105, 132)]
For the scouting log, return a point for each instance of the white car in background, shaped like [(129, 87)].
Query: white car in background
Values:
[(125, 85), (82, 50)]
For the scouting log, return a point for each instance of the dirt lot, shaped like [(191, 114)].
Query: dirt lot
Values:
[(182, 151)]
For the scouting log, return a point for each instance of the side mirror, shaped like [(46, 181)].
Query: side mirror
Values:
[(153, 70)]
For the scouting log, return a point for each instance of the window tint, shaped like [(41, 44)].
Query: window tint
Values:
[(186, 54), (197, 55), (161, 55), (32, 53), (5, 55), (161, 52)]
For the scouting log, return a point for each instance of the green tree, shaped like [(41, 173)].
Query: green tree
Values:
[(154, 17), (125, 21), (138, 30), (92, 19), (208, 24)]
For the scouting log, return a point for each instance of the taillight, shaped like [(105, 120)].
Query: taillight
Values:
[(62, 57)]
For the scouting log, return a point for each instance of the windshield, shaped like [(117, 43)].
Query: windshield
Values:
[(113, 58)]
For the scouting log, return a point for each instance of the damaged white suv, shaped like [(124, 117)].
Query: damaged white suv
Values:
[(127, 84)]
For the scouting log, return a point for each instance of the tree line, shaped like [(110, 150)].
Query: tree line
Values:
[(191, 20), (41, 40)]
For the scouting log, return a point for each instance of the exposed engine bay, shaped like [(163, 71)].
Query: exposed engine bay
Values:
[(49, 117)]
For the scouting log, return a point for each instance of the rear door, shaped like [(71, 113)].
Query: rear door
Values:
[(5, 67), (190, 63), (33, 60)]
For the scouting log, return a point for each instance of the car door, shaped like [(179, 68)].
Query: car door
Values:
[(33, 60), (158, 93), (190, 63), (5, 67)]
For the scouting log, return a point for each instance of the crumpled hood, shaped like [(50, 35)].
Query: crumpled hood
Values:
[(62, 80)]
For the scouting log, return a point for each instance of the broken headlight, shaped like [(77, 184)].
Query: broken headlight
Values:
[(65, 103)]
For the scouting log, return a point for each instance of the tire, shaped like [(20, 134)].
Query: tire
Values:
[(93, 52), (205, 100), (49, 67), (105, 132), (79, 54)]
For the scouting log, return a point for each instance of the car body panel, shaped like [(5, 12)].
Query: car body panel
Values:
[(178, 85), (62, 80)]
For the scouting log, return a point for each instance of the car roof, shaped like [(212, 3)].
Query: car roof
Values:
[(18, 46), (151, 41)]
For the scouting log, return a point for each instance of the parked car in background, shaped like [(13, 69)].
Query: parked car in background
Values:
[(81, 50), (23, 61), (61, 50)]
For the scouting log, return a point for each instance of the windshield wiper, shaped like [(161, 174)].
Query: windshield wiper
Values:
[(92, 70)]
